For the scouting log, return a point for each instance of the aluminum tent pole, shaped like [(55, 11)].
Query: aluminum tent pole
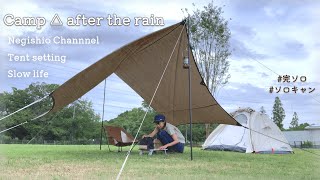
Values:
[(104, 99), (190, 99)]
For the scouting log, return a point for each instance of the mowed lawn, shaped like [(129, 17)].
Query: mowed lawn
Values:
[(88, 162)]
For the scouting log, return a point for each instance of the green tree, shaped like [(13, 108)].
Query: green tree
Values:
[(299, 127), (2, 105), (278, 113), (294, 122), (74, 122), (63, 125), (209, 40), (198, 132), (2, 111), (262, 110), (131, 120), (12, 101), (146, 107)]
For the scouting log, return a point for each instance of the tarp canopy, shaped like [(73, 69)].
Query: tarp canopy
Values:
[(140, 64)]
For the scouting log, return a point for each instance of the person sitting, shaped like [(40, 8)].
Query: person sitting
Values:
[(169, 135)]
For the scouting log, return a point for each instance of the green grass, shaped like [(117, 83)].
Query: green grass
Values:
[(88, 162)]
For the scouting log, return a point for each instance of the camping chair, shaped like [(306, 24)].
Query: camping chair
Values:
[(117, 136)]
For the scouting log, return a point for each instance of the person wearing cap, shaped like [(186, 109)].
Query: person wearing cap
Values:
[(169, 135)]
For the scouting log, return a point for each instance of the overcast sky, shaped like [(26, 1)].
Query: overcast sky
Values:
[(269, 38)]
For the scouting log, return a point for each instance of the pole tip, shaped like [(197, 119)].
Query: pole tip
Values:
[(183, 22)]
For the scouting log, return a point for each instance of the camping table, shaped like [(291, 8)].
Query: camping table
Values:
[(150, 151)]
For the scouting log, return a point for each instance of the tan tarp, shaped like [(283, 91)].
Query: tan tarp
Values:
[(140, 64)]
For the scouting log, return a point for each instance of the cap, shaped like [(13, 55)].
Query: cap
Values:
[(159, 118)]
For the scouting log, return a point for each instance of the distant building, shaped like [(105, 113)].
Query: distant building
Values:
[(309, 134)]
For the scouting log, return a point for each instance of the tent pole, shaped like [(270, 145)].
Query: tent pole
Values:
[(104, 99), (190, 102), (73, 122)]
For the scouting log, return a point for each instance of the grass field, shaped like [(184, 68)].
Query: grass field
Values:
[(88, 162)]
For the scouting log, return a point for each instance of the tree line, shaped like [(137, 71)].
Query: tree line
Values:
[(77, 121), (278, 115)]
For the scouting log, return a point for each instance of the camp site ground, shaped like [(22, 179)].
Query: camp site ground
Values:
[(21, 161)]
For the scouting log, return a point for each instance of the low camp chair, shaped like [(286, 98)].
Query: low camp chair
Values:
[(117, 136)]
